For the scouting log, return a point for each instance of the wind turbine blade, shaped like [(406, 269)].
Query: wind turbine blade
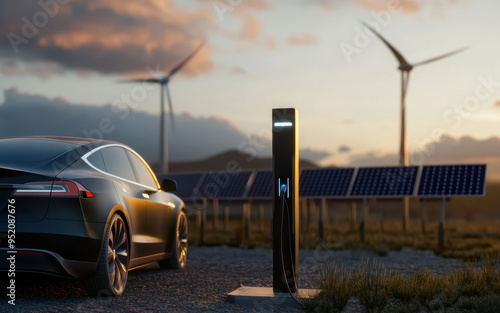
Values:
[(396, 53), (148, 80), (180, 65), (441, 56), (170, 108)]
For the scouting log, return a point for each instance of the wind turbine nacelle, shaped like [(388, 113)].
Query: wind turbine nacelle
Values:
[(405, 67)]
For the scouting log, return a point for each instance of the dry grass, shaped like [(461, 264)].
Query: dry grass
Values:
[(467, 241), (471, 289)]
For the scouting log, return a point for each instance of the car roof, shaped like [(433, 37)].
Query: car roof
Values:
[(92, 143)]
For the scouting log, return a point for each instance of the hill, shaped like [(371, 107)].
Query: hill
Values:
[(232, 158)]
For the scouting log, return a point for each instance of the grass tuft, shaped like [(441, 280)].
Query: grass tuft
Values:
[(427, 286), (403, 288), (372, 286), (336, 287)]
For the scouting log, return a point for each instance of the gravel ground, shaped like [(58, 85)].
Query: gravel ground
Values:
[(202, 286)]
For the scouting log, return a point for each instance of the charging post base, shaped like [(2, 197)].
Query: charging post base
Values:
[(267, 296)]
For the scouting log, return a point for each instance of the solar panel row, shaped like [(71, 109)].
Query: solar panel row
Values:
[(394, 181)]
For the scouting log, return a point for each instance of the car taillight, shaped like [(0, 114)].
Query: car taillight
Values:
[(83, 191), (54, 189)]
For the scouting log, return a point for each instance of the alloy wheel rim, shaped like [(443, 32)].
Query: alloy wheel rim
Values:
[(118, 256), (182, 239)]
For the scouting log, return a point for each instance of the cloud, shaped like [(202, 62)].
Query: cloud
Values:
[(240, 6), (407, 6), (344, 149), (238, 70), (270, 43), (303, 40), (195, 138), (11, 67), (314, 155), (251, 29), (106, 36), (244, 7), (328, 5), (497, 104), (325, 5), (257, 5), (447, 151), (250, 32), (373, 159), (437, 7)]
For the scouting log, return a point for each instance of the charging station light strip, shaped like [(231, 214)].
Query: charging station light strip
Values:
[(283, 124)]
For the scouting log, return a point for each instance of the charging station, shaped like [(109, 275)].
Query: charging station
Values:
[(286, 200), (285, 224)]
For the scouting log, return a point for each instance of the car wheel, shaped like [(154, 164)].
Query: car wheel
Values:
[(179, 256), (112, 270)]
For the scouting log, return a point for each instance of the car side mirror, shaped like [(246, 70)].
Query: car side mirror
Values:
[(168, 185)]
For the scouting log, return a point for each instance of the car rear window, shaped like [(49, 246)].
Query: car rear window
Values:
[(32, 150)]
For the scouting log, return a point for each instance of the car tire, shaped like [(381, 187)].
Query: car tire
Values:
[(179, 254), (110, 278)]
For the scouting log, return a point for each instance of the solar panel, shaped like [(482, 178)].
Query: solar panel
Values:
[(385, 181), (186, 184), (453, 180), (333, 182), (262, 185), (224, 185)]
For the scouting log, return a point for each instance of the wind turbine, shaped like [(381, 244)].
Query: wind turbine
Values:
[(405, 67), (163, 81)]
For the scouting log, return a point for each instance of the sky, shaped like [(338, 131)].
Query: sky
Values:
[(315, 56)]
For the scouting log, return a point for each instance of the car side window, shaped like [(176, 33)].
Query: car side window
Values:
[(117, 163), (96, 160), (142, 172)]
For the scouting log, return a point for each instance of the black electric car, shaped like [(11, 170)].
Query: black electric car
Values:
[(86, 209)]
